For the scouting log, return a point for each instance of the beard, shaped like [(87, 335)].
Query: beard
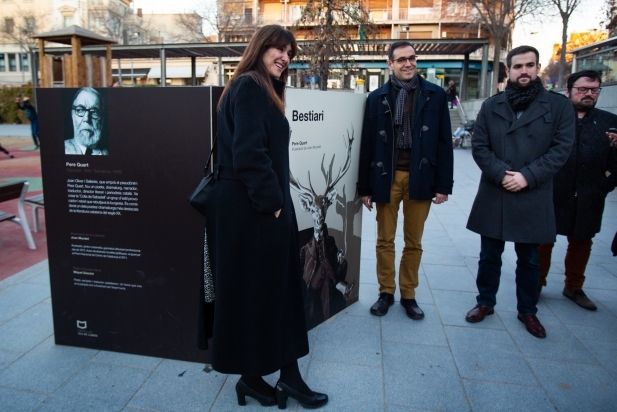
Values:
[(584, 105), (523, 85), (88, 138)]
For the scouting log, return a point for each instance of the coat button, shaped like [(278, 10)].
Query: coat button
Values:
[(424, 160)]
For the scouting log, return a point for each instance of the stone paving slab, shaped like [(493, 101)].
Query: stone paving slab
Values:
[(364, 363)]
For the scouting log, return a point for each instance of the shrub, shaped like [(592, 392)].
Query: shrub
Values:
[(9, 113)]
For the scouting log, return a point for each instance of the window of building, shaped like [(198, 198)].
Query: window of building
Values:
[(12, 62), (9, 26), (23, 62), (29, 24), (68, 21), (2, 63)]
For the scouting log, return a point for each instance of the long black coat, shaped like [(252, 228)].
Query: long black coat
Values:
[(537, 144), (581, 185), (259, 322)]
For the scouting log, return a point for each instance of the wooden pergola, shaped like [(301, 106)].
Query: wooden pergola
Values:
[(79, 70)]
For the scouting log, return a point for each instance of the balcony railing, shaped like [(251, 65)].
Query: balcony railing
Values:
[(402, 16)]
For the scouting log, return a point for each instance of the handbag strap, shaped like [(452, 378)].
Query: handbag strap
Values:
[(207, 168)]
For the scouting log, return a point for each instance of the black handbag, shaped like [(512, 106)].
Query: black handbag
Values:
[(199, 197)]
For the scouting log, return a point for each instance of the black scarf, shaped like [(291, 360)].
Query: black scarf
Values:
[(521, 97), (402, 118)]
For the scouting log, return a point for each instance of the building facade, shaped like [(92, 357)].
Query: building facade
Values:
[(393, 19), (19, 19)]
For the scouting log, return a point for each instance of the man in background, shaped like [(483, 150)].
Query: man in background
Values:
[(581, 185), (32, 116)]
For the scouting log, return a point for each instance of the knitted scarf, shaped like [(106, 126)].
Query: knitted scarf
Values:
[(402, 118), (521, 97)]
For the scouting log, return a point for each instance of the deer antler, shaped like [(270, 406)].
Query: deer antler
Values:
[(295, 184), (345, 168)]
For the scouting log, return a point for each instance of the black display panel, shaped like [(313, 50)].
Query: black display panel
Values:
[(124, 245)]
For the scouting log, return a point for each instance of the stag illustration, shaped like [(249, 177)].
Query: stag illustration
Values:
[(324, 265)]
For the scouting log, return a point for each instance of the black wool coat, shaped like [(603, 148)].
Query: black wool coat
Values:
[(537, 144), (259, 322), (581, 185)]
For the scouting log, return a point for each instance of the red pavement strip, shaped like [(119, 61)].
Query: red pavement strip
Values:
[(15, 255)]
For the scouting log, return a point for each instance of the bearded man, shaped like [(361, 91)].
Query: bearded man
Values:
[(87, 116), (581, 185), (521, 138)]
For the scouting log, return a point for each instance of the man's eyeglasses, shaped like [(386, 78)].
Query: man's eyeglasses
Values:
[(584, 90), (403, 60), (81, 112)]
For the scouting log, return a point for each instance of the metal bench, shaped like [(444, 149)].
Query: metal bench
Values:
[(36, 203), (17, 190)]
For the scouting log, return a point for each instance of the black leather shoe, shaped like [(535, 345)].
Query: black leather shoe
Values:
[(412, 309), (380, 307), (283, 391), (243, 390)]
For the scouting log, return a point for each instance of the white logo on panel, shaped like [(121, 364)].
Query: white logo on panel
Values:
[(82, 324)]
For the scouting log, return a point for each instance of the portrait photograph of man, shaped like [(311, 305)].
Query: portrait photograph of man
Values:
[(88, 134)]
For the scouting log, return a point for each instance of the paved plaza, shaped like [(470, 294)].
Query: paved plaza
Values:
[(363, 362)]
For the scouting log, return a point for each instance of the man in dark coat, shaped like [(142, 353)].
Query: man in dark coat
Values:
[(32, 116), (521, 138), (581, 185), (406, 155)]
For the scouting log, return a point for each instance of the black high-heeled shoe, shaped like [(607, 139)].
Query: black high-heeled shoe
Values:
[(283, 391), (243, 390)]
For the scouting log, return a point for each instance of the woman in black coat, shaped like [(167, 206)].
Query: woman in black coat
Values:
[(259, 322)]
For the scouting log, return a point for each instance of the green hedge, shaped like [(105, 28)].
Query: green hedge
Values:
[(9, 113)]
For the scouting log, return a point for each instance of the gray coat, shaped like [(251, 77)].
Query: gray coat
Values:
[(537, 144)]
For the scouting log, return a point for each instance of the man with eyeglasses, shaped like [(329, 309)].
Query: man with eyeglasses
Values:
[(86, 113), (521, 138), (581, 185), (405, 156)]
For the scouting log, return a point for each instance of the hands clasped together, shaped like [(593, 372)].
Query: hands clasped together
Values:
[(514, 181)]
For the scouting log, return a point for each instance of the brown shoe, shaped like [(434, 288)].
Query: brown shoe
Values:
[(533, 325), (478, 313), (579, 297)]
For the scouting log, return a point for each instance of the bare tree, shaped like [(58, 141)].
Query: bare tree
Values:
[(551, 72), (120, 24), (19, 27), (227, 20), (333, 26), (565, 8), (498, 18), (189, 28), (610, 17)]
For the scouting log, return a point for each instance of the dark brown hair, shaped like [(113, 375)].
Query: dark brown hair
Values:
[(396, 45), (521, 50), (252, 65), (593, 75)]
